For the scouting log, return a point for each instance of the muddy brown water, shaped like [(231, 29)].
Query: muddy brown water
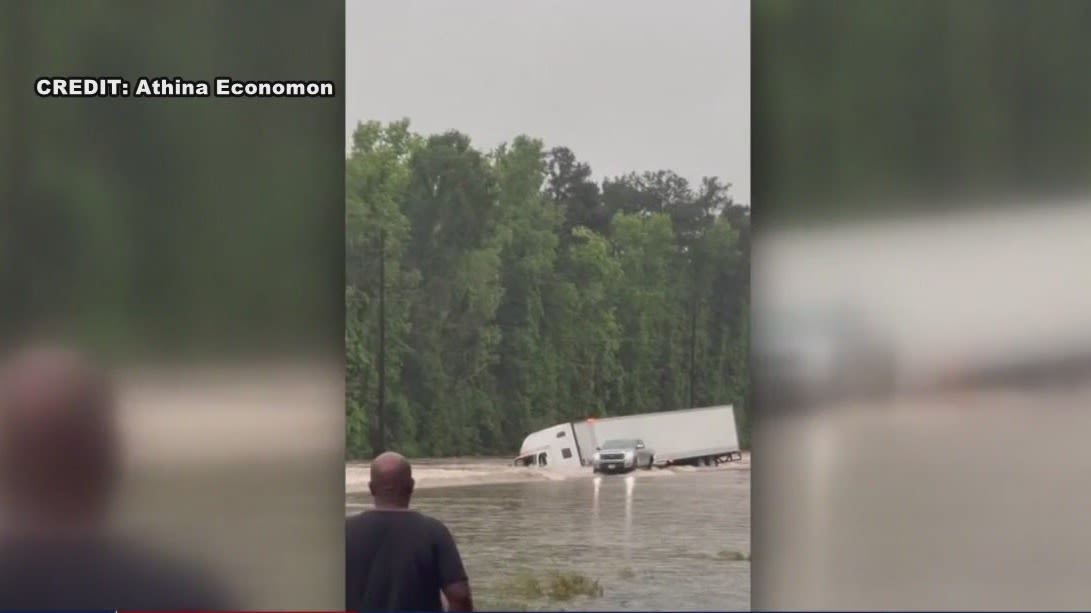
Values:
[(659, 540)]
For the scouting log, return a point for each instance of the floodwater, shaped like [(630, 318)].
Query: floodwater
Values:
[(658, 540)]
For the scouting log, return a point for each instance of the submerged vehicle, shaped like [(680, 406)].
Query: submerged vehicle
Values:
[(622, 455), (704, 436)]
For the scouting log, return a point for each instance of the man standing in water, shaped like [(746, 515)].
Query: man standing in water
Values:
[(397, 559)]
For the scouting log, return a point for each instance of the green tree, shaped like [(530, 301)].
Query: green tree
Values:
[(528, 364), (452, 205), (377, 232), (520, 294)]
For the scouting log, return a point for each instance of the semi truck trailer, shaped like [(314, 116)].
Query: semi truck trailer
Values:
[(698, 437)]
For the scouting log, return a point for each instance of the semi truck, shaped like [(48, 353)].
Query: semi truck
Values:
[(697, 437)]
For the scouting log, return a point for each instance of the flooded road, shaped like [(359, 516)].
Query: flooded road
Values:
[(665, 539)]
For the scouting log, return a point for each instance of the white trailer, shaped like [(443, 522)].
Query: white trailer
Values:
[(703, 436)]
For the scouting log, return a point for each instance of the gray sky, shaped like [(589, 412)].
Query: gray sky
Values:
[(626, 84)]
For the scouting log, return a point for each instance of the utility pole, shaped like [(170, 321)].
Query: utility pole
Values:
[(380, 438), (693, 337), (692, 348)]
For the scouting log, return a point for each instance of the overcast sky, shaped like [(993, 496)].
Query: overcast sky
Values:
[(626, 84)]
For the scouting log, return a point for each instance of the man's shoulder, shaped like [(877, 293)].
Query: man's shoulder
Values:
[(373, 517), (428, 519), (384, 514), (432, 524)]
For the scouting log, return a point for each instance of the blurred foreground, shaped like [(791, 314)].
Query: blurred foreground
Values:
[(223, 470), (192, 241), (943, 146), (950, 299), (960, 484), (975, 500), (235, 467)]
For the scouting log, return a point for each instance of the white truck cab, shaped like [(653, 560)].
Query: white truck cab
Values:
[(553, 447)]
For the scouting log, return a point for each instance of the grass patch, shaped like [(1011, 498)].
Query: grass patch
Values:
[(554, 586), (732, 556), (522, 587), (501, 605)]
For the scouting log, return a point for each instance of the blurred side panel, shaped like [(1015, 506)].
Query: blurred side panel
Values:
[(196, 245), (922, 316)]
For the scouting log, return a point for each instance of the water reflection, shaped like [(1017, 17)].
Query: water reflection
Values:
[(630, 484), (597, 481)]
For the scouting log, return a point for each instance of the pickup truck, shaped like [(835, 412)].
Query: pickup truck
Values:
[(622, 456)]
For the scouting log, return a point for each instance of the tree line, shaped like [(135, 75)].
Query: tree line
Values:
[(508, 291)]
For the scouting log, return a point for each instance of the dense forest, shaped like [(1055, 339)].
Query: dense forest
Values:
[(518, 292)]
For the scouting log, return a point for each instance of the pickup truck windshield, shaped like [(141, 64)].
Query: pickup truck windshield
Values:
[(620, 444)]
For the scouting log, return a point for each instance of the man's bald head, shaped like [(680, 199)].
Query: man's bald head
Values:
[(391, 480), (58, 444)]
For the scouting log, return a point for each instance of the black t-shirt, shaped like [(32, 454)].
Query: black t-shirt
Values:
[(100, 575), (398, 561)]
